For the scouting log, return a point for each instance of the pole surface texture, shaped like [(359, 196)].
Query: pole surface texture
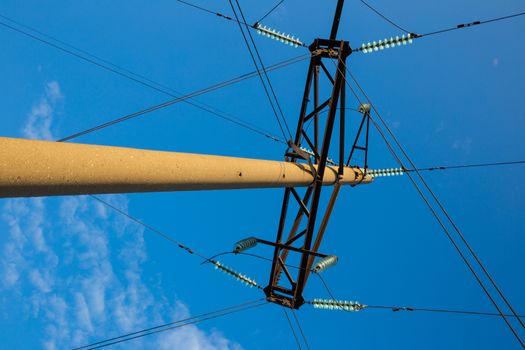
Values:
[(30, 168)]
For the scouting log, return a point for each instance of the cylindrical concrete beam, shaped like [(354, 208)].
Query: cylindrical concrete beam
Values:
[(31, 168)]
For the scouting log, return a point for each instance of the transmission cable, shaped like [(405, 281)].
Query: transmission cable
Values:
[(135, 77), (175, 324), (458, 249), (393, 308), (140, 79), (432, 210), (449, 236), (374, 46), (466, 25), (253, 256), (211, 88), (447, 311), (259, 70), (459, 26), (70, 49), (477, 165), (221, 15), (384, 17), (151, 228), (291, 328), (409, 308), (300, 329), (445, 212), (264, 71), (271, 10)]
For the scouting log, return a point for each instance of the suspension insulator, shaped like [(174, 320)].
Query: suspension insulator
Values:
[(244, 244), (273, 34), (331, 304), (325, 263), (388, 43), (241, 278)]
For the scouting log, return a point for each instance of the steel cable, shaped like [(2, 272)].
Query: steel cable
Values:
[(182, 98), (173, 325), (440, 205), (270, 11), (123, 72), (458, 249)]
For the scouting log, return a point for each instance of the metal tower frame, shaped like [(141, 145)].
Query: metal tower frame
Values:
[(305, 238)]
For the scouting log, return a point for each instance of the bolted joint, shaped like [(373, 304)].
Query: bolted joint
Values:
[(327, 48)]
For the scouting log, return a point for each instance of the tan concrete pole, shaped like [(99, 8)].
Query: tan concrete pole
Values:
[(31, 168)]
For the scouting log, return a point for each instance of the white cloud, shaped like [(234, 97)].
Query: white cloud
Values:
[(78, 267), (83, 313), (40, 119), (191, 337), (464, 144), (41, 280)]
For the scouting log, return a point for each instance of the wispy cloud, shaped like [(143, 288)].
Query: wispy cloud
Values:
[(463, 144), (78, 266), (40, 118)]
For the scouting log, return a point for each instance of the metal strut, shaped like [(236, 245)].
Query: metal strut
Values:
[(365, 121)]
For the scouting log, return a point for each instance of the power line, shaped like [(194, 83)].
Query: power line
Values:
[(167, 324), (393, 308), (254, 256), (441, 206), (449, 236), (208, 89), (140, 79), (432, 210), (203, 9), (255, 62), (478, 165), (466, 25), (412, 36), (291, 328), (174, 325), (215, 13), (236, 20), (458, 249), (384, 17), (458, 26), (300, 329), (264, 71), (258, 71), (184, 247), (448, 311), (270, 11), (242, 278), (151, 228), (409, 308)]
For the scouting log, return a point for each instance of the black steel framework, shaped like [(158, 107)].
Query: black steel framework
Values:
[(305, 238)]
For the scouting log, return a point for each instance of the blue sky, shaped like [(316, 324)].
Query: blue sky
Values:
[(73, 272)]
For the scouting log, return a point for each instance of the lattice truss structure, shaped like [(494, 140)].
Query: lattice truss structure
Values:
[(303, 232)]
